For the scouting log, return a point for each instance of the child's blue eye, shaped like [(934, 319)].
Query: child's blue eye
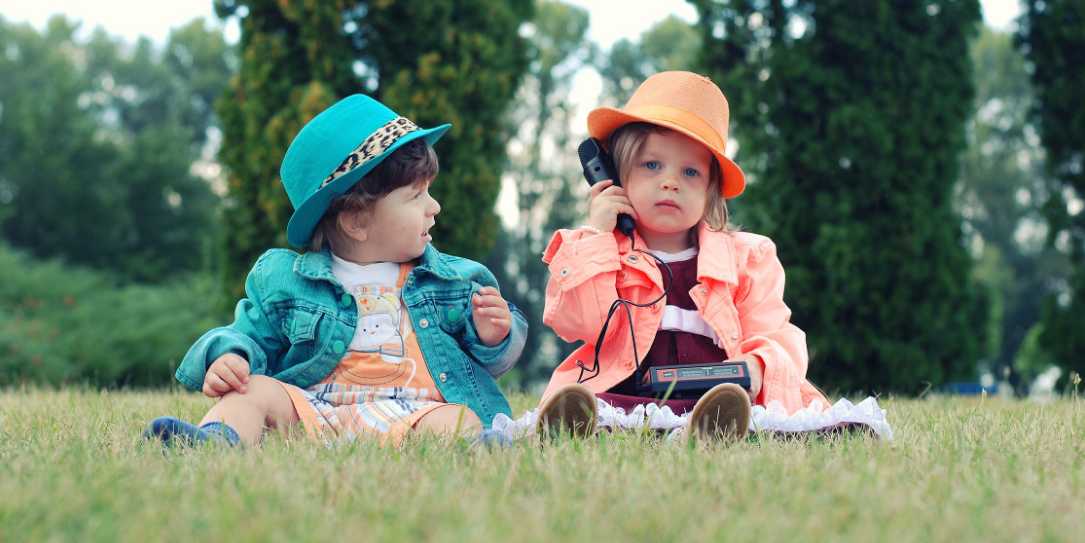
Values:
[(652, 165), (691, 172)]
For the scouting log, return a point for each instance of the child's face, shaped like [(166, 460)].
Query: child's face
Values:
[(668, 186), (399, 224)]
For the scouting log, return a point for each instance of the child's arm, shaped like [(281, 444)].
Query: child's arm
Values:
[(768, 333), (495, 345), (252, 336), (493, 319), (582, 285)]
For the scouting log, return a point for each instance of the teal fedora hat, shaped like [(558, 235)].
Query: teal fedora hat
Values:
[(336, 149)]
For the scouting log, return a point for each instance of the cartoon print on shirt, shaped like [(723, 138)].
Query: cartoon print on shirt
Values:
[(382, 327)]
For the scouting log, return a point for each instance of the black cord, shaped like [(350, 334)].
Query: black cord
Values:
[(629, 315)]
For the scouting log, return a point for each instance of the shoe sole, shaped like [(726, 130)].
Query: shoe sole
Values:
[(570, 409), (722, 414)]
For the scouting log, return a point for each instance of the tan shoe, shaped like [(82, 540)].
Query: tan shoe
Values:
[(722, 414), (571, 408)]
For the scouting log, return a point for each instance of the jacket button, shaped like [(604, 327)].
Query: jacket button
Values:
[(302, 383), (338, 347), (734, 337), (704, 290), (634, 258), (444, 377), (564, 272), (423, 323), (453, 315), (345, 300)]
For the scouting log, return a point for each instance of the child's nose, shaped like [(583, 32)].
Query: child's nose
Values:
[(434, 206), (670, 183)]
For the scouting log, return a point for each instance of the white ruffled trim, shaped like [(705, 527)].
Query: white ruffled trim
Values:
[(770, 418)]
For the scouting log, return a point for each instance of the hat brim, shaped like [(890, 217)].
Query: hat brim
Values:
[(603, 121), (300, 228)]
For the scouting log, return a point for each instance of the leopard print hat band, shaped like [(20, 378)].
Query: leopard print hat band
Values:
[(373, 146)]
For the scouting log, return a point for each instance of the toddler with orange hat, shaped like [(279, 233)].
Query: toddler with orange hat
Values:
[(725, 296)]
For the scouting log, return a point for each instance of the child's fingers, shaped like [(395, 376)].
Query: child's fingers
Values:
[(210, 392), (231, 379), (217, 384), (492, 310), (489, 291), (239, 366), (599, 187)]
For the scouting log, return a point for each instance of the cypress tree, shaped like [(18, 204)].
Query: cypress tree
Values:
[(849, 116), (1052, 37), (433, 62)]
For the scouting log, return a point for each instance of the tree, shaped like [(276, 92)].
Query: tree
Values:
[(999, 198), (96, 143), (850, 118), (433, 62), (543, 165), (671, 44), (1052, 38)]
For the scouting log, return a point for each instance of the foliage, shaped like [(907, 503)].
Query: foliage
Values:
[(850, 118), (1052, 38), (99, 132), (61, 323), (999, 198), (671, 44), (959, 470), (433, 62), (543, 167)]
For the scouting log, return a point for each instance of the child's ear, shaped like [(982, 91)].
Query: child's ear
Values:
[(351, 223)]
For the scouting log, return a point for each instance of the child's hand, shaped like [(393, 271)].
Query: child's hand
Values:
[(756, 376), (492, 316), (607, 202), (228, 372)]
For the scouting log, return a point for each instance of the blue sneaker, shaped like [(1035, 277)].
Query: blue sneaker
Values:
[(171, 430), (490, 440)]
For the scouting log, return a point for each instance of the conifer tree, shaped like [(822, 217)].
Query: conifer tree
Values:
[(433, 62), (1052, 36), (849, 116)]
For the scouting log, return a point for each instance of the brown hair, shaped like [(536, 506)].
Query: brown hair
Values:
[(413, 163), (625, 143)]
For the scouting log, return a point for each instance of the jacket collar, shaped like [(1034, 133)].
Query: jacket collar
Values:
[(317, 265), (715, 257)]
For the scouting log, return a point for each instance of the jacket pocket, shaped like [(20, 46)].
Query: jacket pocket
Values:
[(300, 325)]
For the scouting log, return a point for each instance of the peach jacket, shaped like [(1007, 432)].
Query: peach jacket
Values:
[(740, 296)]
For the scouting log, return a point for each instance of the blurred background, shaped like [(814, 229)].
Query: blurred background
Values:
[(918, 163)]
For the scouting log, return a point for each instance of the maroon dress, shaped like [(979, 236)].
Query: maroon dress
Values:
[(670, 348)]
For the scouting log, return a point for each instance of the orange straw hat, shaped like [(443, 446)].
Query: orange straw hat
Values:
[(682, 101)]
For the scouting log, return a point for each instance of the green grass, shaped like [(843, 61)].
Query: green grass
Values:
[(72, 468)]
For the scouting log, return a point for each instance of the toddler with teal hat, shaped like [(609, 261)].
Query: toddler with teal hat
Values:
[(371, 332)]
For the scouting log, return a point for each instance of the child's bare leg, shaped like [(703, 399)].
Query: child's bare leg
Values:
[(265, 404), (449, 420)]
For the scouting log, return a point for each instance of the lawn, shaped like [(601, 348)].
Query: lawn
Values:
[(72, 468)]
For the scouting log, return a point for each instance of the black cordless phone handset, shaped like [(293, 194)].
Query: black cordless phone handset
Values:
[(599, 167)]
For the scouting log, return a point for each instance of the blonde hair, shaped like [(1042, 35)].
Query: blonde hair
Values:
[(414, 163), (627, 140)]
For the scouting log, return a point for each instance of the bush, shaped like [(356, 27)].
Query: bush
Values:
[(61, 324)]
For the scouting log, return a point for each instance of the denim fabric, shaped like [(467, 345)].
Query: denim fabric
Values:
[(297, 319)]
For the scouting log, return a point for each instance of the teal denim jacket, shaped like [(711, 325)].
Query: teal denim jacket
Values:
[(298, 319)]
